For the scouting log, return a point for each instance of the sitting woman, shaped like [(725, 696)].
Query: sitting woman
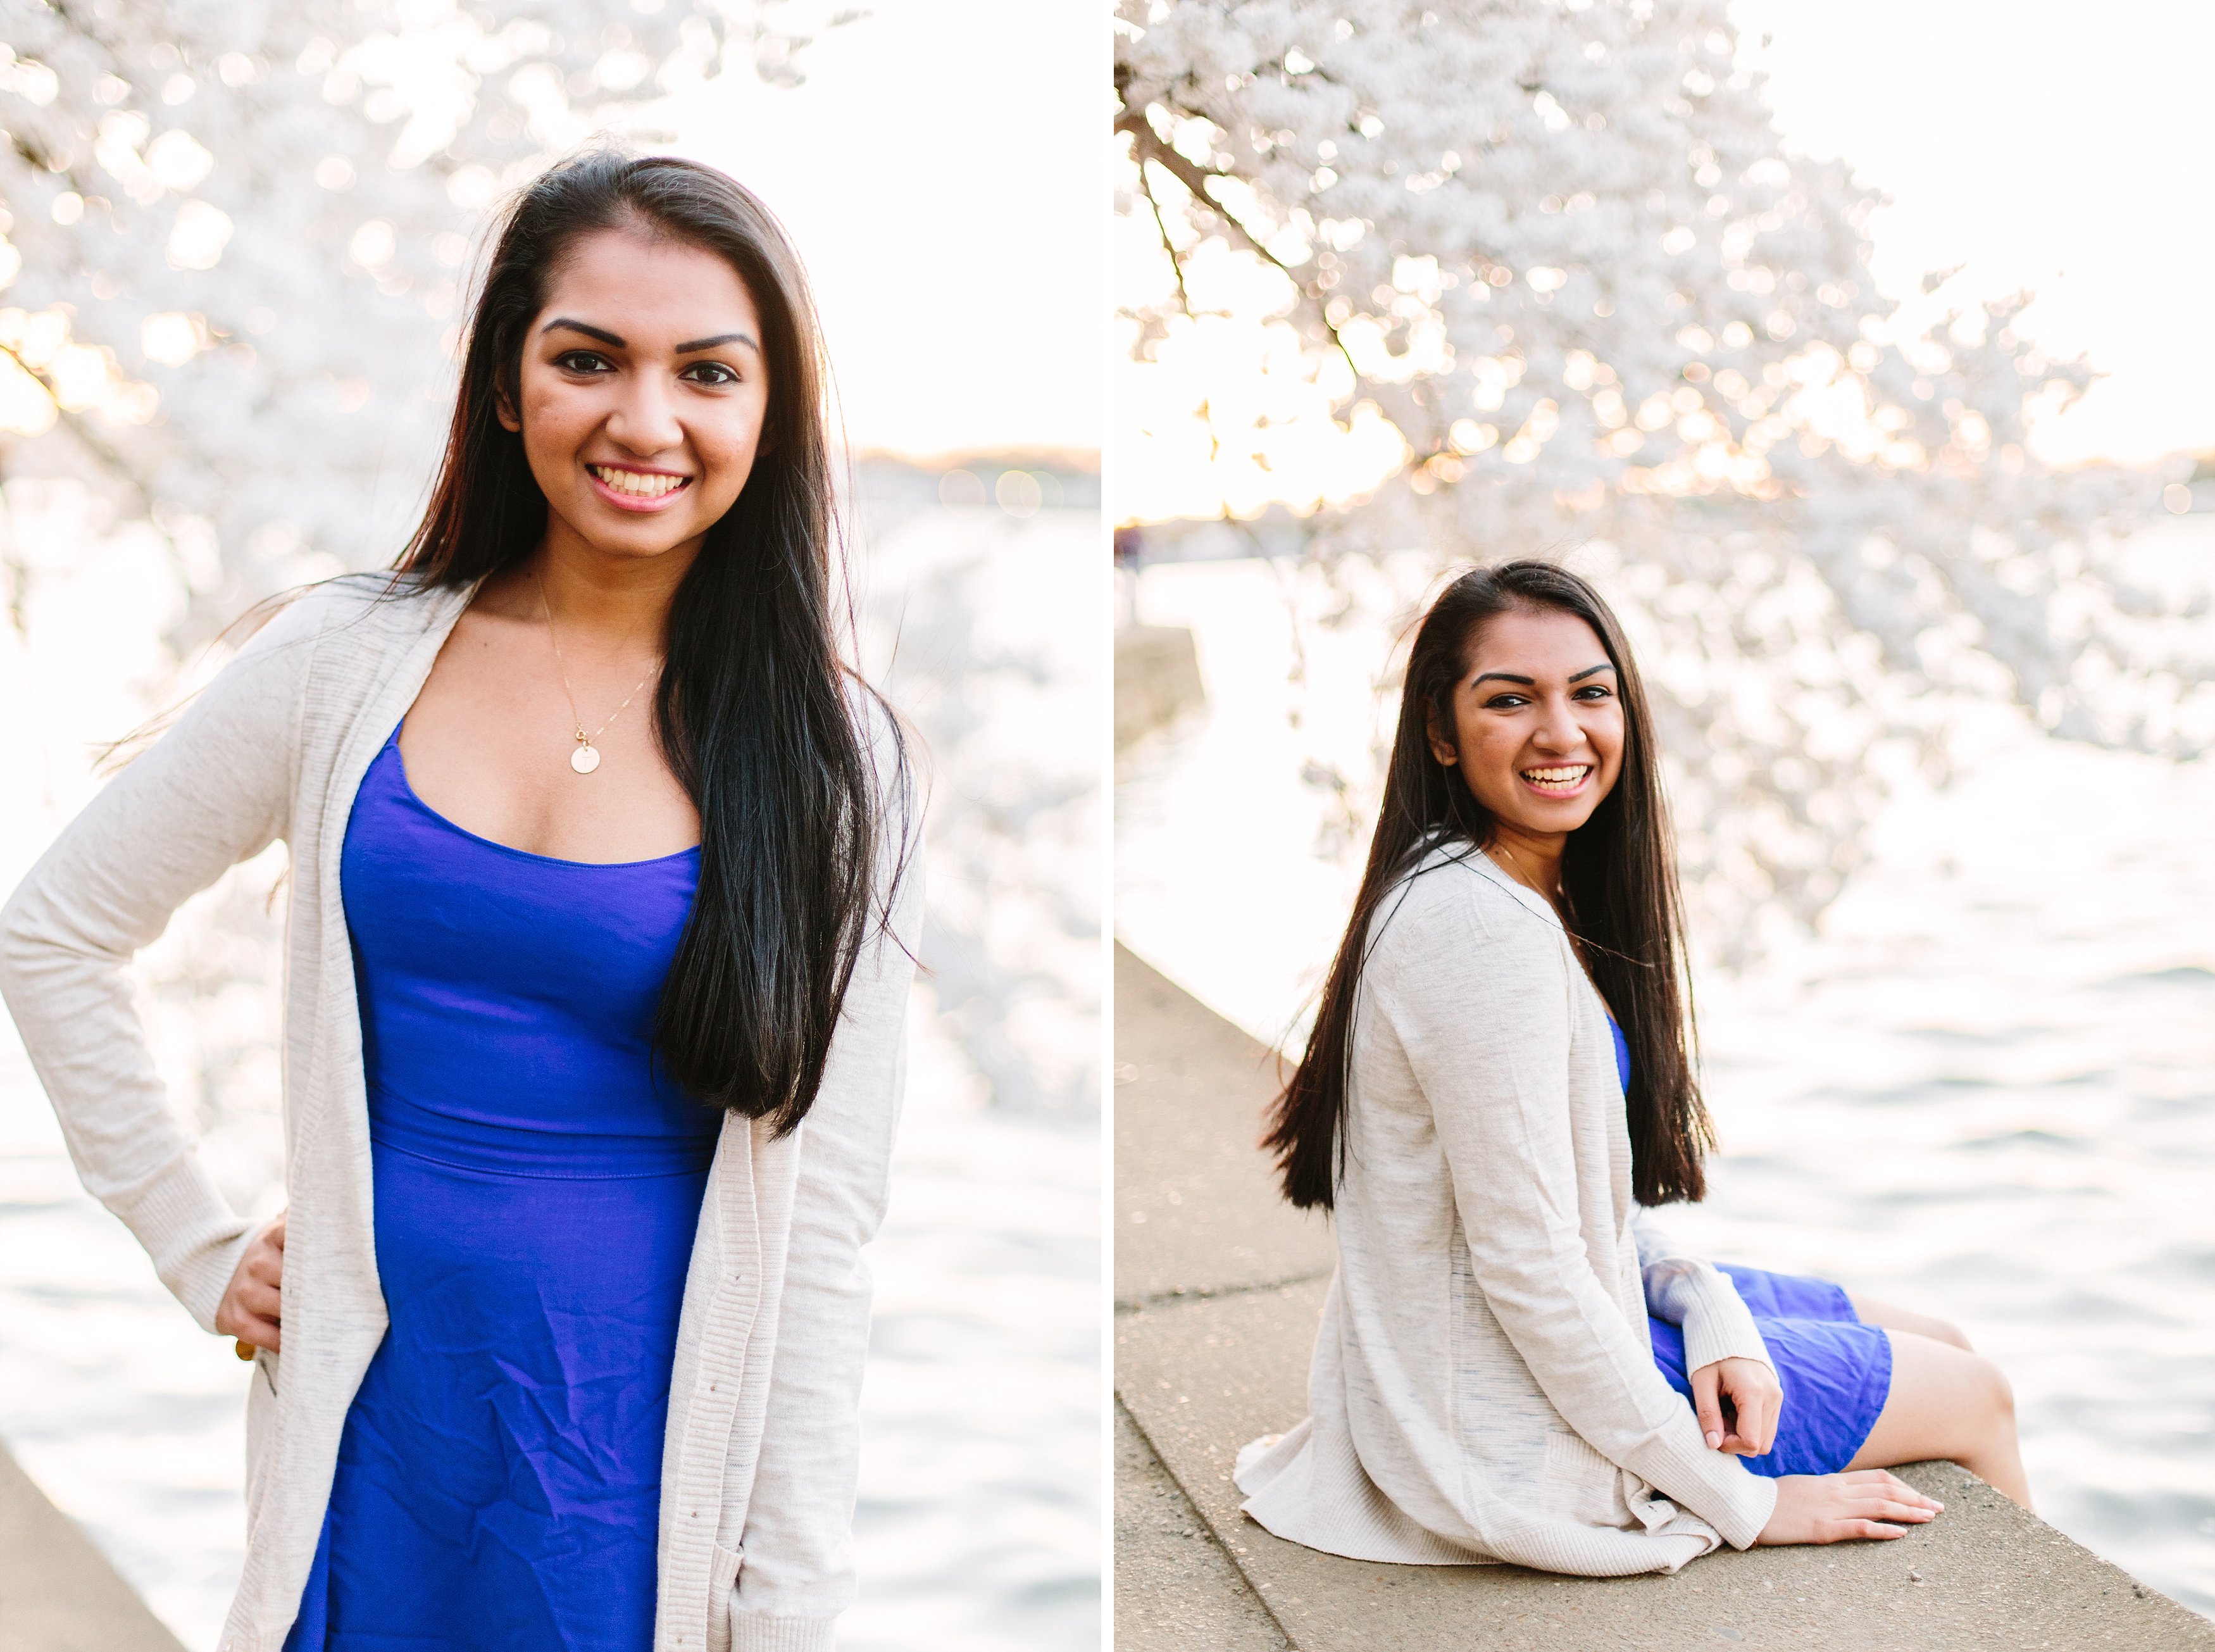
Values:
[(1514, 1363)]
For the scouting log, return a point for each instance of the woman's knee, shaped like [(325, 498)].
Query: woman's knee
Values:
[(1995, 1393), (1944, 1330)]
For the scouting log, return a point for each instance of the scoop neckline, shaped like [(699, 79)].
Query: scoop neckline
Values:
[(400, 764)]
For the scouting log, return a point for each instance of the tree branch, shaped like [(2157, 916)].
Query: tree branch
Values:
[(1148, 146)]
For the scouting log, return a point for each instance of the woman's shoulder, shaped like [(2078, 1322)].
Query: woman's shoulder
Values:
[(370, 606), (1455, 897)]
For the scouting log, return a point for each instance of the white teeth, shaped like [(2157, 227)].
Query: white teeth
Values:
[(635, 483), (1557, 776)]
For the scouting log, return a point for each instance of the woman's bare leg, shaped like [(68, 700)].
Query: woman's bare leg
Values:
[(1946, 1402), (1874, 1312)]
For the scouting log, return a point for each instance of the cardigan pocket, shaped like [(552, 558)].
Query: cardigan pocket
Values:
[(1581, 1484), (723, 1570), (260, 1423)]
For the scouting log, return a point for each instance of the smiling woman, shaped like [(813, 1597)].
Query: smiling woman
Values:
[(570, 1307), (1497, 1089)]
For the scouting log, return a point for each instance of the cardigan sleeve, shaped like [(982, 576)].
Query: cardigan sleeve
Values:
[(216, 788), (798, 1572), (1697, 1296), (1479, 1002)]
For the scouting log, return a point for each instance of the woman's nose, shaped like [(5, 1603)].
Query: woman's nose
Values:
[(1558, 729), (645, 420)]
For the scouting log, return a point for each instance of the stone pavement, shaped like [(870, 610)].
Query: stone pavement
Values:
[(1217, 1287), (57, 1592)]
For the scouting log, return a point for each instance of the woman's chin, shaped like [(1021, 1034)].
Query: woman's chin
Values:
[(1548, 817), (621, 537)]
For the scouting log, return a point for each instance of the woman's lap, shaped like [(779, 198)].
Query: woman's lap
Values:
[(1835, 1371)]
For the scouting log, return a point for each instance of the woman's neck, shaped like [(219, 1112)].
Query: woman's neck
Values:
[(1532, 859), (606, 604)]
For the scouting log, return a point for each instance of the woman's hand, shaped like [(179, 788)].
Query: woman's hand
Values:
[(252, 1308), (1753, 1393), (1833, 1507)]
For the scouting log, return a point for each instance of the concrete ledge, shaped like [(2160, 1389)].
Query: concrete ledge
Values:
[(1210, 1353), (1175, 1589), (57, 1592), (1156, 678)]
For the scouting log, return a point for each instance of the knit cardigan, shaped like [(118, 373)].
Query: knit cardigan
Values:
[(759, 1463), (1483, 1385)]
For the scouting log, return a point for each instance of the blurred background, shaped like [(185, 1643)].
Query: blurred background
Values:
[(236, 244), (1856, 352)]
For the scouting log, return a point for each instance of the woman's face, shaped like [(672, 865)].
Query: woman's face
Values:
[(1537, 729), (643, 387)]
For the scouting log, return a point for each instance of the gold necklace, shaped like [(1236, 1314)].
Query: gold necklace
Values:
[(587, 757), (1523, 877)]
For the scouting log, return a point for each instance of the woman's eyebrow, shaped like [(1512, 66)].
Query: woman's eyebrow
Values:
[(599, 333), (1530, 682), (745, 338)]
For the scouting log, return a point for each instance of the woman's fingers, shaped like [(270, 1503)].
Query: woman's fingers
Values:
[(1758, 1401), (1893, 1486), (1757, 1422), (1707, 1406), (1843, 1507), (262, 1333), (253, 1306), (1848, 1530)]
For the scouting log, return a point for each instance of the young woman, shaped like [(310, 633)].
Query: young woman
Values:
[(599, 941), (1514, 1363)]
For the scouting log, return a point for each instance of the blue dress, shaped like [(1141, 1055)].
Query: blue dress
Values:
[(1836, 1372), (536, 1184)]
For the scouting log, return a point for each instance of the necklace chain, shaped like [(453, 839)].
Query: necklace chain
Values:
[(587, 757)]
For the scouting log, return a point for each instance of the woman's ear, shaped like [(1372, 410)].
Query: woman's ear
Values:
[(503, 405), (1441, 747)]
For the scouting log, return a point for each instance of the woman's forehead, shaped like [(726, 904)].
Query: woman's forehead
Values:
[(1548, 641), (651, 282)]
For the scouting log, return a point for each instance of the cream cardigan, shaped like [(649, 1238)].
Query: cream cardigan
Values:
[(758, 1469), (1483, 1385)]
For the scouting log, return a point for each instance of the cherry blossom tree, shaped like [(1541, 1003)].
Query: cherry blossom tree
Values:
[(1558, 247), (237, 238)]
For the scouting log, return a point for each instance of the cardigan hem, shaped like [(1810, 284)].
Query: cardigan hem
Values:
[(752, 1633)]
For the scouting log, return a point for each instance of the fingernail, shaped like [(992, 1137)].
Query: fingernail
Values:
[(1714, 1440)]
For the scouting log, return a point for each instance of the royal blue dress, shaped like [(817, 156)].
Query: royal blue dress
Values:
[(1835, 1371), (537, 1181)]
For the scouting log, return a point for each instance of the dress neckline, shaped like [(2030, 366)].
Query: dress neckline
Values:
[(407, 786)]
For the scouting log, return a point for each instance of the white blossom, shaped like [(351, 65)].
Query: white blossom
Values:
[(1559, 246)]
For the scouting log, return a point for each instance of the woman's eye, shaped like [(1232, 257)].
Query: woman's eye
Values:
[(1594, 691), (581, 361), (710, 372), (1506, 703)]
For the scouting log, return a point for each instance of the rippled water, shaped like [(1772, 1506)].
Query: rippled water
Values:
[(1986, 1089)]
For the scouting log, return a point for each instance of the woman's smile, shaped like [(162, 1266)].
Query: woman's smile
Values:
[(628, 488), (1558, 780)]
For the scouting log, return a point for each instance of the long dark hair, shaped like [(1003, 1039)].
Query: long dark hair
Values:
[(1618, 878), (757, 717)]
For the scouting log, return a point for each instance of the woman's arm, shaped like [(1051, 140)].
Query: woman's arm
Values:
[(1482, 1013), (1719, 1332), (215, 789), (797, 1573), (1687, 1292)]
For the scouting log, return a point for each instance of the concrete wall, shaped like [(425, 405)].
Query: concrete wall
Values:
[(1217, 1287), (57, 1592)]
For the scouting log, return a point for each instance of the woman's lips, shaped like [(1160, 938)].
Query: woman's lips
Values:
[(1556, 780), (636, 490)]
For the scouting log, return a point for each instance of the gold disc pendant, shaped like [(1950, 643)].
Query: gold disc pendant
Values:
[(584, 758)]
